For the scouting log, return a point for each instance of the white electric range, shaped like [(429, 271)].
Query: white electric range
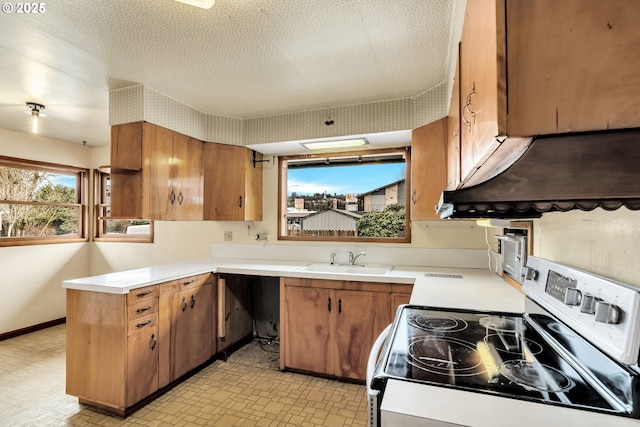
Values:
[(570, 359)]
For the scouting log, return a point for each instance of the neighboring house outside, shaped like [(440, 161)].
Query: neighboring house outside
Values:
[(380, 198), (330, 222)]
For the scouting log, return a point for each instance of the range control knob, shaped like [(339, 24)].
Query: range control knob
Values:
[(572, 296), (607, 313), (529, 273), (589, 304)]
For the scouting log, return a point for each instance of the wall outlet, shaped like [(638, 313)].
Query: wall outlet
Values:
[(228, 236)]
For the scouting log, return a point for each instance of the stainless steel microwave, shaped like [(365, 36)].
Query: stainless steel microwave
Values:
[(514, 255)]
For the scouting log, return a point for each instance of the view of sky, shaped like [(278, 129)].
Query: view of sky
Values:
[(355, 179)]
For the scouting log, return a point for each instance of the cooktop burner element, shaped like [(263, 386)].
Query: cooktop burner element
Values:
[(535, 376), (437, 322), (445, 356), (501, 323), (513, 344)]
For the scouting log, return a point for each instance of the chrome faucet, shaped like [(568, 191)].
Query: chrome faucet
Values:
[(332, 258), (353, 258)]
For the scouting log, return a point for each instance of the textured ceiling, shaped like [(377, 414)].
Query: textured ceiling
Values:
[(241, 58)]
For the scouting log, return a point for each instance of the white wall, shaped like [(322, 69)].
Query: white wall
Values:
[(30, 276), (603, 242)]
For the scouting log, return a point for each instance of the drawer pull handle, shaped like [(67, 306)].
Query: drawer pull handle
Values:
[(141, 294), (143, 309), (184, 303), (143, 324), (154, 342), (188, 282)]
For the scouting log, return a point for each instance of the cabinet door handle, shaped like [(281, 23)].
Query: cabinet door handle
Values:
[(141, 294), (240, 202), (172, 198), (413, 197), (184, 303), (143, 309), (154, 342), (143, 324), (467, 109), (188, 282), (329, 305), (193, 301), (180, 198), (340, 305)]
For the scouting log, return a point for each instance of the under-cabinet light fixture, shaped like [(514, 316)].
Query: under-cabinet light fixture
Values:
[(203, 4), (338, 143)]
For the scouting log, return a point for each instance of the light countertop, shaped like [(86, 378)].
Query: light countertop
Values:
[(470, 288)]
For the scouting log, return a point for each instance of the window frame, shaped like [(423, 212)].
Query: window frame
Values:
[(82, 185), (283, 196), (99, 235)]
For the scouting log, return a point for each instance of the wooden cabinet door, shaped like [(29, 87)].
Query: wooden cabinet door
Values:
[(480, 74), (453, 134), (158, 173), (126, 146), (142, 364), (224, 180), (233, 184), (308, 344), (428, 169), (185, 331), (571, 66), (397, 299), (360, 318), (186, 177)]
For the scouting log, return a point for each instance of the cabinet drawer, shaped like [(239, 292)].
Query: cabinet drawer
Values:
[(142, 308), (143, 323), (148, 292), (186, 283)]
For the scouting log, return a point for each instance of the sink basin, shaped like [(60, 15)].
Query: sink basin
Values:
[(321, 267)]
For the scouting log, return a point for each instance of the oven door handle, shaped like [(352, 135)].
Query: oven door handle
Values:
[(374, 409)]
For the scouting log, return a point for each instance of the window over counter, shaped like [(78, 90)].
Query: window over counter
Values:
[(108, 229), (346, 196), (42, 203)]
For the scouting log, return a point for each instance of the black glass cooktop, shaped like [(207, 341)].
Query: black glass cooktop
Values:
[(503, 354)]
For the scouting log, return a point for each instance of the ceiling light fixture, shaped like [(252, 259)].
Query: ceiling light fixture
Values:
[(204, 4), (338, 143), (35, 110)]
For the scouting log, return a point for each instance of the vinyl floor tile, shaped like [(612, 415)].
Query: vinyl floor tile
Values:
[(245, 391)]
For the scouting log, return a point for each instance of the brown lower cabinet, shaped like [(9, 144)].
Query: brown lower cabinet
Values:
[(328, 327), (122, 348), (186, 332)]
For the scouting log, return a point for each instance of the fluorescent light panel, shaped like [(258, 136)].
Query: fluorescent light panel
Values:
[(204, 4), (339, 143)]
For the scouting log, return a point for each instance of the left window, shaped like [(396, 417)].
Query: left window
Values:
[(112, 229), (42, 203)]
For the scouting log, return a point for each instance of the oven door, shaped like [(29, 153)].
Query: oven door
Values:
[(373, 394)]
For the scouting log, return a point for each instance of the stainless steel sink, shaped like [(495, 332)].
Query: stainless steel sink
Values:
[(322, 267)]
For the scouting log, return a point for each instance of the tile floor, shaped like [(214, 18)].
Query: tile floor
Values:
[(244, 391)]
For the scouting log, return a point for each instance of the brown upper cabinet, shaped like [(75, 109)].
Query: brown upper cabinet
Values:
[(545, 67), (233, 183), (156, 173), (428, 169)]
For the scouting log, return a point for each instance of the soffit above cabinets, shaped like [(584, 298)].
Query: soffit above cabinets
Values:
[(241, 58)]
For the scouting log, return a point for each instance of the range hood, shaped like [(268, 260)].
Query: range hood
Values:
[(550, 174)]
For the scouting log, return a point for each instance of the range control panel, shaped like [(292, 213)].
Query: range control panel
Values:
[(603, 311)]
